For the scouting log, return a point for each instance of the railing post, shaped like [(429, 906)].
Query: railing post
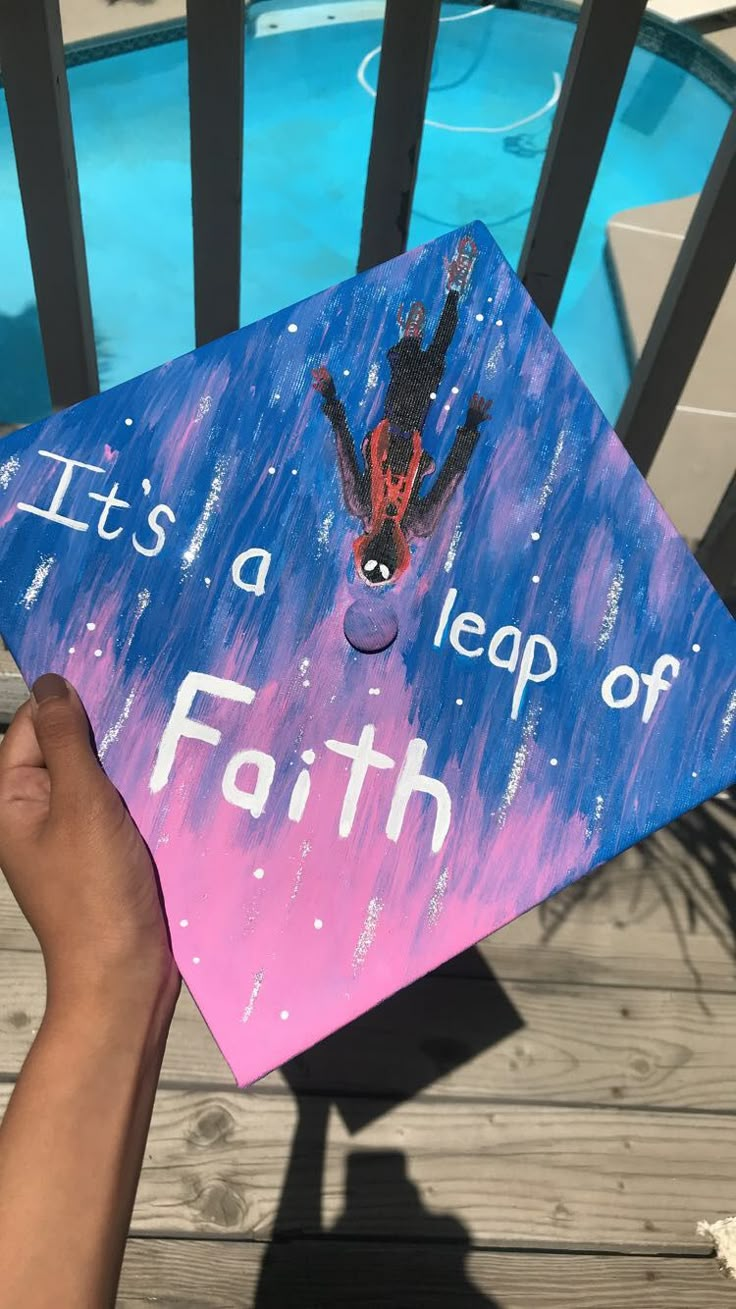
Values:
[(216, 43), (691, 297), (605, 38), (716, 553), (37, 96), (409, 36)]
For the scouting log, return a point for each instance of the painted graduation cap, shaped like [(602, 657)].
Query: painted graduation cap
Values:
[(328, 824)]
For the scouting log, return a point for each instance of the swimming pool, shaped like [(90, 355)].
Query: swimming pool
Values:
[(308, 115)]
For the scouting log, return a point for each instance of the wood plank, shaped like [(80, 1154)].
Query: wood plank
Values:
[(519, 1176), (407, 46), (216, 35), (366, 1275), (605, 37), (13, 690), (37, 95), (450, 1038), (659, 915), (699, 278)]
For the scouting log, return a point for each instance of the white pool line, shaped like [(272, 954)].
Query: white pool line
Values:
[(469, 13), (647, 231), (507, 127), (709, 413), (452, 127)]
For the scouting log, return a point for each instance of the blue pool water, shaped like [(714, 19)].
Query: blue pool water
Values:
[(308, 125)]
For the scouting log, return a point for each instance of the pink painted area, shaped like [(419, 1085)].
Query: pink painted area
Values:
[(308, 877), (598, 568), (550, 508)]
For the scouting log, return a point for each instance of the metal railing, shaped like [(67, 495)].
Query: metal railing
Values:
[(32, 59)]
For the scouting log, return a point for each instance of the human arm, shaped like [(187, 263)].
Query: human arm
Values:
[(429, 508), (73, 1135), (353, 478)]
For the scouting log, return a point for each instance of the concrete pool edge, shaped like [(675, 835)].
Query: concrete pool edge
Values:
[(684, 47)]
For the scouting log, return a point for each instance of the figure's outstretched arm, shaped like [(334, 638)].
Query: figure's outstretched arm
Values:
[(430, 508), (446, 327), (354, 478)]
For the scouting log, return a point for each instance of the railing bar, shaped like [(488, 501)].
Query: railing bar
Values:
[(37, 96), (216, 44), (604, 41), (409, 36), (716, 553), (697, 282)]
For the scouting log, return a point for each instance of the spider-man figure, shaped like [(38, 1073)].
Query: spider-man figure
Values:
[(384, 492)]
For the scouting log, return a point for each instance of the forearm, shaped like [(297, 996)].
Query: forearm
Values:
[(432, 507), (71, 1146)]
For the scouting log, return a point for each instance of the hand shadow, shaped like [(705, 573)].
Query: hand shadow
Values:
[(427, 1269), (386, 1250)]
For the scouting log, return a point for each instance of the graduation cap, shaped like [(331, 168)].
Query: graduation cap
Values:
[(383, 637)]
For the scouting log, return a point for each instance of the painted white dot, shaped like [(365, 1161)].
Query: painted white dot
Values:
[(208, 581), (554, 762), (294, 472), (146, 486), (479, 318), (72, 648), (374, 690), (535, 536), (258, 873), (309, 756), (490, 299), (318, 924), (271, 471), (129, 422), (292, 327), (98, 654), (346, 372), (695, 774), (433, 395), (183, 922), (447, 406), (696, 648), (196, 959), (455, 390), (284, 1015), (277, 395), (499, 322), (535, 579), (306, 682), (91, 627), (459, 700)]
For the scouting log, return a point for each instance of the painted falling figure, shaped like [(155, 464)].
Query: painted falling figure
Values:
[(384, 493)]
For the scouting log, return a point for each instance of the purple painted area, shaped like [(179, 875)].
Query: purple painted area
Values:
[(301, 886), (370, 627)]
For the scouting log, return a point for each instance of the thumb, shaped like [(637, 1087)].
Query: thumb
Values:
[(63, 734)]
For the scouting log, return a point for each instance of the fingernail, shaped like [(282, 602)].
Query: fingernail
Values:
[(49, 687)]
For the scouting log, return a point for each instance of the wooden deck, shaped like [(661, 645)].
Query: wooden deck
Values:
[(538, 1126)]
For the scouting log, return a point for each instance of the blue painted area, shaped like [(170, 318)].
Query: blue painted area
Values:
[(552, 536), (308, 125)]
